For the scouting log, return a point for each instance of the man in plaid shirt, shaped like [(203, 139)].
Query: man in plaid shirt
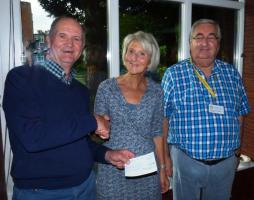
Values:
[(204, 104)]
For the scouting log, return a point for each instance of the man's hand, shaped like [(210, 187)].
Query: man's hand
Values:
[(118, 158), (102, 126)]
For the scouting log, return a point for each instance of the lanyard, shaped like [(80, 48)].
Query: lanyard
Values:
[(203, 81)]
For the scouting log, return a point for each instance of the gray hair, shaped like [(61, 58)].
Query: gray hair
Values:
[(205, 21), (149, 44)]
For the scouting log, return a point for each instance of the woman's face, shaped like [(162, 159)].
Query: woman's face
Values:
[(136, 59)]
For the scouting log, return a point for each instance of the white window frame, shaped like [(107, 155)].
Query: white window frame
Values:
[(10, 56)]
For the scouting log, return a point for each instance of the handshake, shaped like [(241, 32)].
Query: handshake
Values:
[(117, 158)]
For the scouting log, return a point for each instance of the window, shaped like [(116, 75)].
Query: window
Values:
[(180, 14), (160, 18), (92, 65), (227, 24)]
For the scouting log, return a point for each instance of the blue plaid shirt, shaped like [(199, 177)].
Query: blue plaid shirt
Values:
[(58, 71), (192, 128)]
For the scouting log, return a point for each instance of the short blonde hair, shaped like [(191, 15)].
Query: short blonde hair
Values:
[(149, 44)]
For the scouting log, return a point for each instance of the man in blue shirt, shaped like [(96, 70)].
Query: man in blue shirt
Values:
[(49, 123), (204, 102)]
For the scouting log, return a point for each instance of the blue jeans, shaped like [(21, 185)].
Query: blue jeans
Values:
[(85, 191), (194, 180)]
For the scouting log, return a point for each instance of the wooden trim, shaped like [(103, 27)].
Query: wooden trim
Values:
[(248, 78)]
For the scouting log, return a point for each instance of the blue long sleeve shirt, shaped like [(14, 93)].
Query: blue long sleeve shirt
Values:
[(49, 125)]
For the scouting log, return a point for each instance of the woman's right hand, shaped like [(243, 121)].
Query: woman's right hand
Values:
[(103, 126), (168, 166), (164, 181)]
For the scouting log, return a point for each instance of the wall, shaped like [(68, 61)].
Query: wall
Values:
[(248, 77), (27, 22)]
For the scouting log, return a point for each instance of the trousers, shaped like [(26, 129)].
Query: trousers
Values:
[(86, 190), (195, 180)]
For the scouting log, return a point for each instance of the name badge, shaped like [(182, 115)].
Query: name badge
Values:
[(216, 109)]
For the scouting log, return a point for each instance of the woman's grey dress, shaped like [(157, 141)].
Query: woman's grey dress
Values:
[(133, 127)]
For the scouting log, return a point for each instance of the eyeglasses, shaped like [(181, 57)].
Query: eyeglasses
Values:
[(138, 54), (201, 38)]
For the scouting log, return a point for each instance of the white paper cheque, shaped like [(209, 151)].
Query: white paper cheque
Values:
[(141, 165)]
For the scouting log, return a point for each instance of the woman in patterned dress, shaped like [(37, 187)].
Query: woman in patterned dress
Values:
[(134, 105)]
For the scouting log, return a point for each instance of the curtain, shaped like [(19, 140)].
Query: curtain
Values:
[(10, 56)]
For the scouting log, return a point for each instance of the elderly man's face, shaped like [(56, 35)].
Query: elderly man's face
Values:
[(204, 45), (66, 44)]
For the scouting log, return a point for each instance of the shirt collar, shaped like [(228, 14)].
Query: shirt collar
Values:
[(216, 68), (58, 71)]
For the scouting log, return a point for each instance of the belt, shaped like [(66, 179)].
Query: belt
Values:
[(211, 162), (207, 162)]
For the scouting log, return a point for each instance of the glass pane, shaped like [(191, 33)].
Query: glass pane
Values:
[(227, 24), (160, 18), (92, 66)]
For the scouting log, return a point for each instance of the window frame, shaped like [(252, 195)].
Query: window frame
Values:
[(186, 16)]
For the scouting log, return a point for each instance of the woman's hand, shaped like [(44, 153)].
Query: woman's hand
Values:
[(168, 166), (103, 126), (164, 181)]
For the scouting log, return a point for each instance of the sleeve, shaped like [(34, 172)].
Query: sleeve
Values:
[(26, 119), (98, 151), (157, 120), (244, 105), (167, 86), (101, 104)]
